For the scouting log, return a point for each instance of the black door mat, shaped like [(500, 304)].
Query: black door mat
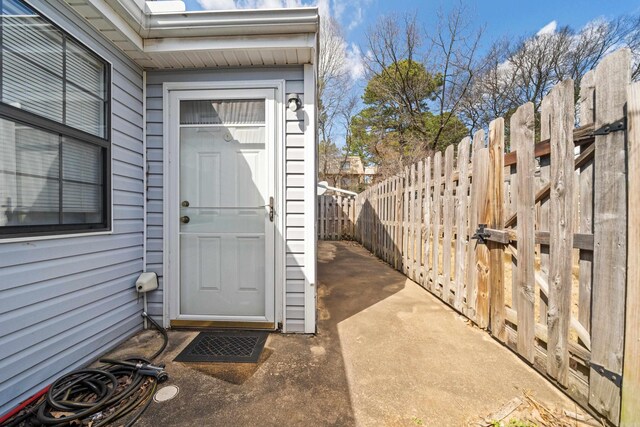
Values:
[(225, 346)]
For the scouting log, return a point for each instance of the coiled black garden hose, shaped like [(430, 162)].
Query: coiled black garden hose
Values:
[(101, 395)]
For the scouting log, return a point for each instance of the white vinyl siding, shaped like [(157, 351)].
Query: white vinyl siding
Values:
[(65, 301)]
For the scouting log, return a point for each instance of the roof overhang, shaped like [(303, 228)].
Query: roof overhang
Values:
[(181, 39)]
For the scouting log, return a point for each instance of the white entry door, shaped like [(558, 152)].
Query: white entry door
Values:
[(225, 207)]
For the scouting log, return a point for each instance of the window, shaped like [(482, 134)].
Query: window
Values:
[(346, 166), (54, 129)]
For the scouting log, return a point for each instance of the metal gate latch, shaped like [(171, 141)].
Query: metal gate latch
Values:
[(481, 235)]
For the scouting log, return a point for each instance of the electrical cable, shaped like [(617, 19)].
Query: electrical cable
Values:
[(97, 396)]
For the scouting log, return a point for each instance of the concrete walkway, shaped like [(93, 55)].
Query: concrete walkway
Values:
[(387, 353)]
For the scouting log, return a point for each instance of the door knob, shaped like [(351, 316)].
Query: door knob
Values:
[(185, 219)]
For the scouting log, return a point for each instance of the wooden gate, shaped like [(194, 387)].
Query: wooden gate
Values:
[(335, 217), (532, 244)]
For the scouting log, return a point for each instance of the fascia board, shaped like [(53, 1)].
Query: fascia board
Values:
[(233, 22), (276, 42)]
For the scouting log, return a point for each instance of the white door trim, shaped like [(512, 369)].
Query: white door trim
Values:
[(170, 192)]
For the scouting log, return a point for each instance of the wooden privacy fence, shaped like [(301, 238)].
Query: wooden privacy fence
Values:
[(336, 217), (532, 244)]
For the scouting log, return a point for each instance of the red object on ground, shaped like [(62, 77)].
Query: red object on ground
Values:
[(23, 405)]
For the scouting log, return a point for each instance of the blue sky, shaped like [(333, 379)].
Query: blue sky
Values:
[(510, 18), (500, 18)]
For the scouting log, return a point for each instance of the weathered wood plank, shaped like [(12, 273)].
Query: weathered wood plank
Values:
[(323, 220), (412, 223), (610, 237), (398, 223), (472, 287), (481, 266), (340, 212), (427, 222), (543, 219), (418, 224), (435, 235), (447, 220), (581, 136), (522, 136), (461, 224), (586, 102), (561, 230), (631, 385), (495, 219), (405, 224), (510, 171), (544, 192)]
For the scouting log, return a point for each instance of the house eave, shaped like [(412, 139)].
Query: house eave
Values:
[(285, 36)]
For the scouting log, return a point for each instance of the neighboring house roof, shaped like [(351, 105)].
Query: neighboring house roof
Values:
[(351, 165), (371, 170), (162, 34)]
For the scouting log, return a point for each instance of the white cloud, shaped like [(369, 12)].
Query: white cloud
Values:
[(338, 8), (550, 28), (324, 8), (353, 62), (217, 4), (249, 4)]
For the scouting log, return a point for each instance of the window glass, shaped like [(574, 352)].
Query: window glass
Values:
[(85, 70), (48, 179), (46, 72), (230, 112), (41, 93)]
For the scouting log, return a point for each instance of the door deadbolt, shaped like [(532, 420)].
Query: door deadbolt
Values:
[(185, 204), (185, 219)]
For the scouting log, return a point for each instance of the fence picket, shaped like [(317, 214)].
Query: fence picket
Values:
[(435, 235), (631, 392), (560, 230), (461, 223), (481, 273), (472, 286), (427, 224), (522, 137), (610, 238), (543, 219), (495, 220), (447, 220), (585, 191), (418, 225)]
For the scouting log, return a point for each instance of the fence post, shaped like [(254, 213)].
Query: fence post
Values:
[(631, 383), (610, 235), (495, 219)]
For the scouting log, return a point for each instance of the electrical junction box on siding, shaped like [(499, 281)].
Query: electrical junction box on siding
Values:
[(147, 282)]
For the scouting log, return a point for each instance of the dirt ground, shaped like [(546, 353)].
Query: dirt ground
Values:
[(387, 353)]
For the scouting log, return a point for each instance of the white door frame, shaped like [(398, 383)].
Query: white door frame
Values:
[(171, 163)]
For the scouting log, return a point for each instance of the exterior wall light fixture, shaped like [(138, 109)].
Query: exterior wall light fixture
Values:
[(293, 102)]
